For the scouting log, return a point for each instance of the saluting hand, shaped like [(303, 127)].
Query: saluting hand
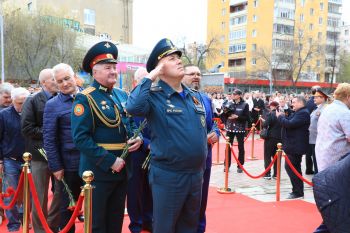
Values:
[(156, 72), (134, 144), (118, 165)]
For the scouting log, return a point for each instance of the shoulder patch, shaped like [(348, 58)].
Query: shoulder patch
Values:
[(78, 110), (88, 90), (156, 88)]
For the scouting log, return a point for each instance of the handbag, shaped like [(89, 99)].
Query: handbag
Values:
[(264, 133)]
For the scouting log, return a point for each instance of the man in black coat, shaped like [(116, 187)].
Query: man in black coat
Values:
[(258, 108), (295, 139), (32, 122)]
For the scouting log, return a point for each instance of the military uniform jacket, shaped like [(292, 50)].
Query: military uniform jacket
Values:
[(177, 125), (100, 129)]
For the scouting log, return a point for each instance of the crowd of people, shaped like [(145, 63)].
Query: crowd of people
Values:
[(96, 128)]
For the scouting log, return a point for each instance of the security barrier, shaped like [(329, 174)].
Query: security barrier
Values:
[(26, 183)]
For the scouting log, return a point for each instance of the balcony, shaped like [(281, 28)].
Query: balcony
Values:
[(237, 2), (340, 2)]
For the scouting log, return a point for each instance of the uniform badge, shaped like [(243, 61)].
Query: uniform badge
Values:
[(318, 114), (104, 105), (203, 121), (78, 110)]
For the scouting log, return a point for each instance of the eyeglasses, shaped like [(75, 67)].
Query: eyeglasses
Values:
[(194, 73)]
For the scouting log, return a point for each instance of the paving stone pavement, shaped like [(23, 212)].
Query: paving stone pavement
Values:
[(259, 189)]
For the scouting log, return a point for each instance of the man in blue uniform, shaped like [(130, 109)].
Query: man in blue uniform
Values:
[(101, 128), (176, 118), (192, 79)]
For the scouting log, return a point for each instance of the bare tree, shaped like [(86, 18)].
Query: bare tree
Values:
[(32, 42), (197, 53)]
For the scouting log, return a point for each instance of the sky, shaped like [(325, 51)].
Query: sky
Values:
[(178, 20)]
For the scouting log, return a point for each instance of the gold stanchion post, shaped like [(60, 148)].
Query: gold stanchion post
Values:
[(226, 189), (218, 154), (27, 157), (260, 125), (252, 157), (88, 177), (278, 180)]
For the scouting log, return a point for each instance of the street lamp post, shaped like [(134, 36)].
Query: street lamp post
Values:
[(2, 48)]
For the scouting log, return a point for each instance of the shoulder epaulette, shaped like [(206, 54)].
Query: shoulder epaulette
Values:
[(88, 90), (156, 88)]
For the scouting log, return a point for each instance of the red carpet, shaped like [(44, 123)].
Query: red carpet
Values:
[(238, 213)]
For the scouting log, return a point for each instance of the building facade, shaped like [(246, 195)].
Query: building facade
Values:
[(108, 19), (276, 42)]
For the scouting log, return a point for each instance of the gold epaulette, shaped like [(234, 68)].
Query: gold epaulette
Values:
[(88, 90)]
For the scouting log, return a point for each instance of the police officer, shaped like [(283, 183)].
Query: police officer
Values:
[(235, 118), (101, 128), (176, 118), (192, 79)]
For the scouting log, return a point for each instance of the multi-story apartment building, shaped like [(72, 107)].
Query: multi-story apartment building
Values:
[(277, 40), (109, 19), (345, 38)]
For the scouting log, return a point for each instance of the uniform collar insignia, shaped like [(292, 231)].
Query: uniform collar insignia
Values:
[(102, 88)]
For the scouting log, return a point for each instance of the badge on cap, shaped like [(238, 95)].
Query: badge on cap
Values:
[(107, 45), (78, 110)]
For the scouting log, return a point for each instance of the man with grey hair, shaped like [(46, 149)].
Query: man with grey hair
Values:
[(63, 156), (5, 95), (295, 139), (11, 151), (32, 122)]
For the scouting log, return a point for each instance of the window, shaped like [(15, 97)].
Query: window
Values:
[(318, 62), (319, 35), (254, 33), (237, 48), (284, 13), (236, 62), (239, 34), (255, 3), (238, 20), (321, 6), (310, 41), (223, 25), (255, 18), (346, 32), (253, 47), (283, 29), (223, 12), (302, 2), (301, 18), (320, 21), (333, 22), (253, 61), (311, 26), (29, 6), (311, 11), (222, 39), (308, 69), (89, 17), (277, 43), (334, 8)]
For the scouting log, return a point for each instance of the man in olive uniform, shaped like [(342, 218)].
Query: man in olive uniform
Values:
[(176, 119), (101, 129)]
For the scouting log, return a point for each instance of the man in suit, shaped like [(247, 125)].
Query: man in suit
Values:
[(192, 78), (295, 139), (32, 122), (258, 108)]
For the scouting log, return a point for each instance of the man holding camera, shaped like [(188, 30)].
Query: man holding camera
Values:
[(235, 116)]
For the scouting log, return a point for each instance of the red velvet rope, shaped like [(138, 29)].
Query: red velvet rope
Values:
[(245, 171), (40, 211), (9, 192), (296, 172)]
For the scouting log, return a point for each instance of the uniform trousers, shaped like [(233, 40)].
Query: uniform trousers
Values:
[(309, 160), (41, 176), (297, 184), (240, 140), (177, 198), (139, 195), (108, 203), (205, 189)]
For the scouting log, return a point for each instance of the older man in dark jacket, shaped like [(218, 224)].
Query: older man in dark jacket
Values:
[(32, 122), (295, 138), (63, 156)]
